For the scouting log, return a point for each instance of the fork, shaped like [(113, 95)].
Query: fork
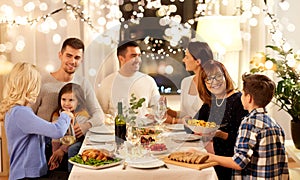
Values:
[(165, 166), (124, 165)]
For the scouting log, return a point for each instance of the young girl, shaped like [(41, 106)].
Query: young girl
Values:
[(24, 130), (71, 98)]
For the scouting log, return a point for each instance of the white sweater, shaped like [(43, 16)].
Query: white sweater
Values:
[(116, 87), (189, 104)]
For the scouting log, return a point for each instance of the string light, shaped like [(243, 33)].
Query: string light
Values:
[(247, 10), (76, 10)]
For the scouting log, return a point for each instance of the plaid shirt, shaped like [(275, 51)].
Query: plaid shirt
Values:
[(259, 149)]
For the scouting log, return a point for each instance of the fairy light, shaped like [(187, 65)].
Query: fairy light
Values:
[(284, 5), (56, 38), (75, 10), (247, 9), (269, 65), (291, 27), (43, 6), (49, 68)]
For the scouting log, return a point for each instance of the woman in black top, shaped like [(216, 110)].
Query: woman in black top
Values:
[(222, 104)]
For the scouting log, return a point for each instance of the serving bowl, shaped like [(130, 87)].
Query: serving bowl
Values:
[(201, 126)]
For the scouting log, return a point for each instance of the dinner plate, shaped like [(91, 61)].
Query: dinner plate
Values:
[(144, 121), (186, 137), (96, 167), (109, 147), (102, 138), (103, 129), (175, 127), (146, 163)]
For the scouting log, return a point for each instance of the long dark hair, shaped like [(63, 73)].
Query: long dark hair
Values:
[(77, 90), (200, 50)]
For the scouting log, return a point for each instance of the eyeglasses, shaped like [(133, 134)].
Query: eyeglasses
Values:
[(217, 77)]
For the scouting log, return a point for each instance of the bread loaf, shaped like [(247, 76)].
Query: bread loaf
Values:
[(189, 157)]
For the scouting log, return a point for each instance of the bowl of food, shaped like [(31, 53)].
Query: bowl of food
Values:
[(201, 126)]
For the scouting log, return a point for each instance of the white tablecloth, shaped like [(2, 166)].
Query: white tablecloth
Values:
[(116, 173)]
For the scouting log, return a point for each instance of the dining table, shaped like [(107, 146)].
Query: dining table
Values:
[(124, 171)]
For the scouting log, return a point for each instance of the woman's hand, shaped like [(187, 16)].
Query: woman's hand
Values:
[(221, 134), (68, 112)]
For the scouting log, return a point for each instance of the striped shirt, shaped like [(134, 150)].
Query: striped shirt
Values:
[(259, 149)]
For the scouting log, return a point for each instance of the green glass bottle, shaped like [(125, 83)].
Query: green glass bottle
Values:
[(120, 126)]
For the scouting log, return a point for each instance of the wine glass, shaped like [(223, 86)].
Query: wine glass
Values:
[(160, 112), (132, 134)]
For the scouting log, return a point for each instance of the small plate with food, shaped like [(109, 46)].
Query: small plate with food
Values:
[(95, 159), (158, 148)]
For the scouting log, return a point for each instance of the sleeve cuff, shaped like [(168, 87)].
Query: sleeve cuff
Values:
[(85, 127)]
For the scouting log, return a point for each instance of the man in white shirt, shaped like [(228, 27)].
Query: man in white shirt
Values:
[(119, 85)]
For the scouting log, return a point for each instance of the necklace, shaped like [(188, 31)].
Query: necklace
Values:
[(219, 105)]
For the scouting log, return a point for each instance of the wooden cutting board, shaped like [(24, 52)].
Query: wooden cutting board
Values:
[(193, 166)]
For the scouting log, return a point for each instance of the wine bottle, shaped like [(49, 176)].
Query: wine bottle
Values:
[(120, 126)]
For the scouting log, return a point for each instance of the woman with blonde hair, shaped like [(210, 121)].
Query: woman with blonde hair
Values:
[(24, 130)]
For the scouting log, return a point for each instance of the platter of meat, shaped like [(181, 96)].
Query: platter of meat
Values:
[(95, 159)]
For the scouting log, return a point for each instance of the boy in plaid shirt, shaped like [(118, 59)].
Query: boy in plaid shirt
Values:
[(259, 151)]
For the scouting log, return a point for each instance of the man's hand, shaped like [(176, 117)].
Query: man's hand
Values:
[(78, 131), (56, 159)]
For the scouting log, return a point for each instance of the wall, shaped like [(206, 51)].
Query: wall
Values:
[(293, 38), (287, 17)]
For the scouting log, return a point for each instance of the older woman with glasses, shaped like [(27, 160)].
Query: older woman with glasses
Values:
[(221, 104)]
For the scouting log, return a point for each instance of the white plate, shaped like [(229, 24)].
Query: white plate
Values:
[(144, 121), (96, 167), (186, 137), (146, 163), (103, 129), (159, 152), (102, 138), (175, 127), (109, 147)]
